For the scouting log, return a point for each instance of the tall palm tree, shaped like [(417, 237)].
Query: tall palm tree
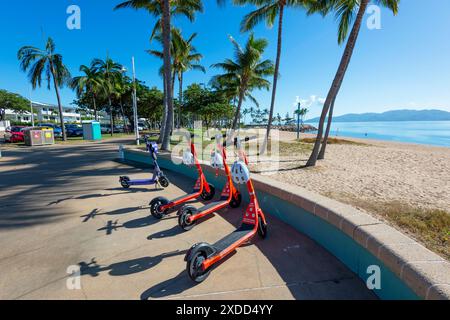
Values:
[(188, 59), (268, 10), (39, 61), (90, 83), (247, 70), (123, 87), (345, 12), (184, 58), (110, 73), (163, 10)]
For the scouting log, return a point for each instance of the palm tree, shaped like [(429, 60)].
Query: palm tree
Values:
[(110, 73), (302, 112), (247, 70), (184, 58), (267, 11), (345, 13), (163, 10), (123, 87), (52, 64), (90, 84), (187, 58)]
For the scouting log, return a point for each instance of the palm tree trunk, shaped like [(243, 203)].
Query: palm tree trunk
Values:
[(167, 73), (327, 133), (164, 116), (337, 82), (238, 110), (173, 97), (275, 79), (180, 99), (58, 97)]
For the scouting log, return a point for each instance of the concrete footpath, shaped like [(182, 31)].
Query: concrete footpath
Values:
[(62, 208)]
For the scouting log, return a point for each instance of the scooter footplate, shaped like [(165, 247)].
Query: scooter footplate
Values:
[(211, 205), (233, 237), (181, 198)]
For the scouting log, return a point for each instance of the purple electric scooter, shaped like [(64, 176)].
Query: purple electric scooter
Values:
[(158, 176)]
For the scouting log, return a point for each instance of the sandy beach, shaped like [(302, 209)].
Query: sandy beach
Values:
[(379, 171)]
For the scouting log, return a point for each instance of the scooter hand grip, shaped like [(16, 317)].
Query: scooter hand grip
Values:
[(249, 138), (223, 136)]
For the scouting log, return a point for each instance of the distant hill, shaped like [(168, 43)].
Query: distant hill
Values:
[(396, 115)]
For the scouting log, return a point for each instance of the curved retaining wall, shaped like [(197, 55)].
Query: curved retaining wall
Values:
[(408, 270)]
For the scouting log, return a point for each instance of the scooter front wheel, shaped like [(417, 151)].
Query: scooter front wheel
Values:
[(125, 182), (164, 182), (155, 207), (183, 218), (236, 201), (194, 268), (262, 228), (209, 195)]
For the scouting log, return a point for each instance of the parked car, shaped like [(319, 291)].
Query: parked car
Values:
[(15, 134), (57, 131), (142, 126), (106, 128), (118, 129), (74, 130)]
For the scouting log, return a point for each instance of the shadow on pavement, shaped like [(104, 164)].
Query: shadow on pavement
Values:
[(126, 267)]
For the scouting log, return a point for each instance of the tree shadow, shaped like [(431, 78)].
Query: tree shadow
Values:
[(128, 267), (97, 212)]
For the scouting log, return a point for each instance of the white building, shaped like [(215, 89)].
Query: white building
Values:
[(45, 113)]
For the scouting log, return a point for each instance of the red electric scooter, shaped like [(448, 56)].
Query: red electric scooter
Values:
[(160, 207), (202, 257), (189, 215)]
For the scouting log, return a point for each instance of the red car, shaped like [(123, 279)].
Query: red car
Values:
[(15, 134)]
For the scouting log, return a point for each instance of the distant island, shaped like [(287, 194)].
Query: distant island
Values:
[(396, 115)]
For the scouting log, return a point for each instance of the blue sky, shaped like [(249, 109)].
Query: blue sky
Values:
[(404, 65)]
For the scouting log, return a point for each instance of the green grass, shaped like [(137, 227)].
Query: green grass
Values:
[(429, 226), (336, 141)]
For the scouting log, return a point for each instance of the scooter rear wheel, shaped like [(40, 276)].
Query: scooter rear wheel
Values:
[(262, 228), (183, 217), (164, 182), (155, 206), (236, 202), (194, 268), (209, 195), (125, 182)]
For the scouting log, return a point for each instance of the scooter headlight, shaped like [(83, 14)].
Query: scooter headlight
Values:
[(240, 172), (216, 160), (155, 148), (188, 158)]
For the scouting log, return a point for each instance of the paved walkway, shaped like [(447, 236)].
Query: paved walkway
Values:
[(62, 206)]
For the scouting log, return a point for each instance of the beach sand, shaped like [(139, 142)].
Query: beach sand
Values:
[(377, 171)]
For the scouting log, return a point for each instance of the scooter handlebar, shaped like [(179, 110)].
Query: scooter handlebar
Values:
[(223, 136)]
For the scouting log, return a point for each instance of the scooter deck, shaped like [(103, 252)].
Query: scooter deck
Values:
[(211, 205), (141, 182), (187, 196), (233, 237)]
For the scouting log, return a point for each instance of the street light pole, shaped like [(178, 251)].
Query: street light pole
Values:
[(298, 118), (136, 126)]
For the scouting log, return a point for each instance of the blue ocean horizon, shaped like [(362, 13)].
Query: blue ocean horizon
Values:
[(435, 133)]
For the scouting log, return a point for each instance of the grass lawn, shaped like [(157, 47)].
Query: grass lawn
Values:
[(429, 226)]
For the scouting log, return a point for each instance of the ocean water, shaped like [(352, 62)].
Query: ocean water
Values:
[(435, 133)]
